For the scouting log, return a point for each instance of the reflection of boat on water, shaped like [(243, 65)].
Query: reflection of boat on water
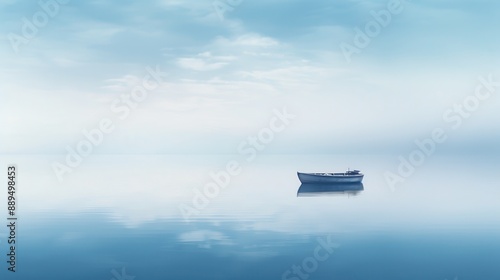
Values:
[(310, 189), (354, 176)]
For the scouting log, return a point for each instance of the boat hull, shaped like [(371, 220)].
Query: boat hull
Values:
[(329, 179)]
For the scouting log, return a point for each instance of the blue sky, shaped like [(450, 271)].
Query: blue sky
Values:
[(225, 77)]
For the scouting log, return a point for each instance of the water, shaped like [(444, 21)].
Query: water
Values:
[(117, 217)]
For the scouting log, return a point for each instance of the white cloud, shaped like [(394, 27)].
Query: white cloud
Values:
[(204, 62), (255, 40), (124, 83), (199, 64), (248, 40)]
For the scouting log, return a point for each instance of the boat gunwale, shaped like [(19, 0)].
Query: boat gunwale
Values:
[(331, 174)]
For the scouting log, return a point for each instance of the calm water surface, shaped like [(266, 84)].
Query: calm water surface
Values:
[(118, 217)]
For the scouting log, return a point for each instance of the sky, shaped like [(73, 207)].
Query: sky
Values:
[(223, 78)]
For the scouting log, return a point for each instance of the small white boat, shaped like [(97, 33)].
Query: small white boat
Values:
[(354, 176)]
